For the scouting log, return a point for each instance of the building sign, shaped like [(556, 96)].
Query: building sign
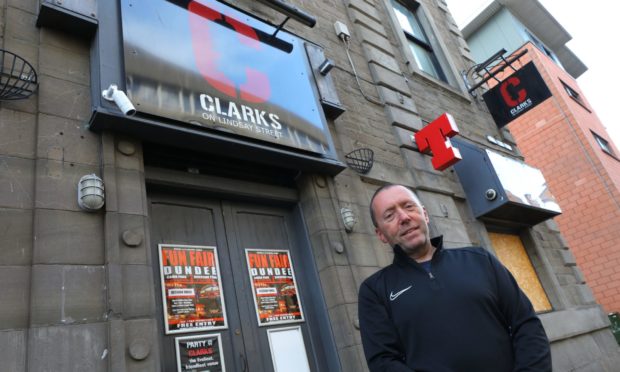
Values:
[(206, 65), (435, 138), (516, 95), (191, 287), (200, 353), (523, 183), (274, 287)]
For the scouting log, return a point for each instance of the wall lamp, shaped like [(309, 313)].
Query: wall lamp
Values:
[(91, 193), (326, 67), (348, 218), (119, 97)]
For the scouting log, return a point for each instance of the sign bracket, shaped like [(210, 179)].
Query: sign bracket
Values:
[(487, 70)]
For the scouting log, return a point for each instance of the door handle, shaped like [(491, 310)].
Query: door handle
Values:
[(244, 363)]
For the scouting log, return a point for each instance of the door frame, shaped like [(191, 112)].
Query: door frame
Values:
[(159, 180)]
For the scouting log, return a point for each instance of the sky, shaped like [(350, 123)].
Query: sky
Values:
[(593, 26)]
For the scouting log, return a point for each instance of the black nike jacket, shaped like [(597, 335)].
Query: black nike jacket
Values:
[(467, 315)]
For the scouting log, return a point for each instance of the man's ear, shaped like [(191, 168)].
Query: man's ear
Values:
[(380, 235), (426, 215)]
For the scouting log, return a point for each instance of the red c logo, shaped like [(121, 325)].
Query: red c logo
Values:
[(256, 88), (508, 97)]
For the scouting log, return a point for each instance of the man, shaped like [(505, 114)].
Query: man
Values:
[(437, 310)]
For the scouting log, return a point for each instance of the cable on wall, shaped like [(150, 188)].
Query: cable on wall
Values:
[(345, 41)]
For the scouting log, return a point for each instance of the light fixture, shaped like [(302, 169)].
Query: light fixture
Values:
[(91, 193), (348, 218), (326, 67), (120, 98)]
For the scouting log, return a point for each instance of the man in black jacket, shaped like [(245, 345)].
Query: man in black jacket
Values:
[(438, 310)]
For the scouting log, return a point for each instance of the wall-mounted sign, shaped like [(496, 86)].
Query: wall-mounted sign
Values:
[(435, 138), (501, 188), (200, 353), (516, 95), (523, 183), (207, 65), (276, 297), (191, 286)]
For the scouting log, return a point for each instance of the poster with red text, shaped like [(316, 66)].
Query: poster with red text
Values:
[(191, 286), (276, 297), (200, 353)]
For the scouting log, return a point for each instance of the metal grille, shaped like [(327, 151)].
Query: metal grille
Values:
[(18, 79)]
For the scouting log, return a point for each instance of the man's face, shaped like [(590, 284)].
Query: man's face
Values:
[(401, 219)]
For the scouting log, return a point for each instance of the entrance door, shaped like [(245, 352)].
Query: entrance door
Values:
[(229, 229)]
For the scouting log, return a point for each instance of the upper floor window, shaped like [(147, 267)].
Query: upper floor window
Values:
[(543, 48), (603, 144), (572, 93), (410, 20)]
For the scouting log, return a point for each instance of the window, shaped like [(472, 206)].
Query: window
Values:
[(543, 48), (603, 144), (572, 93), (510, 250), (423, 52)]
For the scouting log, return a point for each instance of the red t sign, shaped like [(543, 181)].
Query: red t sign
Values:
[(434, 138)]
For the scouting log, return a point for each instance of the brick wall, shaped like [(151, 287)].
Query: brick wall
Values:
[(556, 138)]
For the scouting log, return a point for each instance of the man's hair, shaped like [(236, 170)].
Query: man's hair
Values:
[(382, 188)]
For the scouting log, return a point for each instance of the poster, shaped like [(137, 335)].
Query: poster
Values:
[(276, 297), (191, 288), (200, 353)]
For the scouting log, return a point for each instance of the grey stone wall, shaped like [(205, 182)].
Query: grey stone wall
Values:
[(53, 315)]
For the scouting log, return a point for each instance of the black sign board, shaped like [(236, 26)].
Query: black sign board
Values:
[(201, 353), (516, 95)]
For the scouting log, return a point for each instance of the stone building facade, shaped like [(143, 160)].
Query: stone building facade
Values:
[(82, 291)]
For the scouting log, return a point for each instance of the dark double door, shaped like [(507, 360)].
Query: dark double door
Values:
[(232, 227)]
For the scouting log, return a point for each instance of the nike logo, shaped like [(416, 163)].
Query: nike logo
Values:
[(394, 296)]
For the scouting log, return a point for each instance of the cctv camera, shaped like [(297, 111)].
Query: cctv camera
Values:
[(120, 98), (490, 194)]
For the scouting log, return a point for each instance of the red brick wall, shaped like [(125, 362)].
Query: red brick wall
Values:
[(556, 137)]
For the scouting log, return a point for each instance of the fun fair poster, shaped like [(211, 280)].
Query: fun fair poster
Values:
[(274, 288), (191, 285)]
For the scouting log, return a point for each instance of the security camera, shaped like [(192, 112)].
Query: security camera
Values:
[(326, 67), (120, 98), (490, 194)]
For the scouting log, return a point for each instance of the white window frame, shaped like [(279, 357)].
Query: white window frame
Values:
[(439, 49)]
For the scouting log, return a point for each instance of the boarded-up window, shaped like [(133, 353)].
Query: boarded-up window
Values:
[(511, 252)]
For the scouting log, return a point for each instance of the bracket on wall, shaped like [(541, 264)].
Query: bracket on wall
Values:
[(487, 70), (291, 12)]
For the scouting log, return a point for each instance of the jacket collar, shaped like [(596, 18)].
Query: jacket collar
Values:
[(400, 257)]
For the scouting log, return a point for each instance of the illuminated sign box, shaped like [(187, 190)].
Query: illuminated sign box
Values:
[(205, 76), (516, 95), (502, 189), (208, 65)]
